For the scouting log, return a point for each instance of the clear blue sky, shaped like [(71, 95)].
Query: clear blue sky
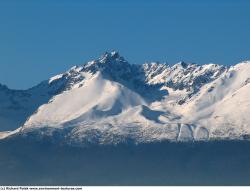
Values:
[(39, 39)]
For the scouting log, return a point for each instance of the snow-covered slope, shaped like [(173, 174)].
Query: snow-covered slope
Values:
[(109, 100), (17, 105)]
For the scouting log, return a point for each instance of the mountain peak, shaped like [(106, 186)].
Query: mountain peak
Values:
[(108, 62), (113, 56), (109, 100), (182, 64)]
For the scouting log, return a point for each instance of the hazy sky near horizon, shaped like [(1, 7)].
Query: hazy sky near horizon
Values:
[(39, 39)]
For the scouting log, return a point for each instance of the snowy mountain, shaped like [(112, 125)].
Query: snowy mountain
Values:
[(109, 101)]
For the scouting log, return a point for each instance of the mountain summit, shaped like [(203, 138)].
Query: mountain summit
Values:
[(109, 100)]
